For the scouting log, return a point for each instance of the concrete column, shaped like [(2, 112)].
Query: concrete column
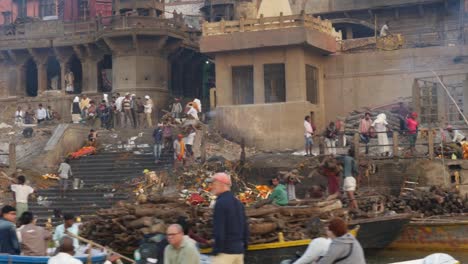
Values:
[(63, 71), (259, 84), (41, 78), (223, 81), (295, 75), (21, 80), (90, 75)]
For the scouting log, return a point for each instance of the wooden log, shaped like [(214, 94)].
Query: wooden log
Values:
[(297, 211), (262, 228), (142, 222)]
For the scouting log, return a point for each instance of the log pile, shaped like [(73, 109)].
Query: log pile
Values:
[(353, 120), (436, 201), (123, 226)]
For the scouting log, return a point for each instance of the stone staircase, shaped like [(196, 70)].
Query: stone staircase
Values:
[(103, 175)]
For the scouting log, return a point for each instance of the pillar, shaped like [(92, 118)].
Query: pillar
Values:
[(41, 77), (223, 81), (63, 70), (21, 80), (259, 84), (295, 75), (90, 74)]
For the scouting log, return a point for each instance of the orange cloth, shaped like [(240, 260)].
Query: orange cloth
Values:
[(182, 150)]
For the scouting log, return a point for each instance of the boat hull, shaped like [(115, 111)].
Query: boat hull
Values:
[(13, 259), (378, 233), (441, 235)]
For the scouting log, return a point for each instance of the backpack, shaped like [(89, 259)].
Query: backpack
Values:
[(153, 248)]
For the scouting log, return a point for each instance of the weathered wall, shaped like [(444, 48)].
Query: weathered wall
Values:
[(141, 75), (376, 78), (266, 126)]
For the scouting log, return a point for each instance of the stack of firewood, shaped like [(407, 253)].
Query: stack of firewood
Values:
[(123, 226), (435, 202)]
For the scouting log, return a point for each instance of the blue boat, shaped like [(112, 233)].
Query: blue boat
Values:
[(14, 259)]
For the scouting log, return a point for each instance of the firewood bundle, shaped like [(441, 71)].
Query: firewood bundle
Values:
[(436, 201), (123, 226)]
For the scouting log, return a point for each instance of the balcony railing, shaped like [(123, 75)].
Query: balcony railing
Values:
[(270, 23), (85, 29)]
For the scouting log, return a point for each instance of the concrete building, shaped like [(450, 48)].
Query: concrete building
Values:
[(269, 75), (137, 50), (363, 71)]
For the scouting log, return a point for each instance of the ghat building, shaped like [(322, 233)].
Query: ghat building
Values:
[(109, 46), (276, 63)]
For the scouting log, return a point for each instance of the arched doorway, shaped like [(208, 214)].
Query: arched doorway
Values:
[(53, 74), (76, 68), (31, 78), (105, 74), (352, 28)]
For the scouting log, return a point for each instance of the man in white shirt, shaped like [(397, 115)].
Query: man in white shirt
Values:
[(457, 136), (41, 114), (21, 193), (68, 225), (189, 139), (64, 172), (308, 132), (192, 112), (66, 252), (148, 111), (385, 30)]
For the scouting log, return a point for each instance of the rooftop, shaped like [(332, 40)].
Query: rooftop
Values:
[(268, 32)]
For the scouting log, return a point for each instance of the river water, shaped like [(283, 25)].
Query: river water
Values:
[(390, 256)]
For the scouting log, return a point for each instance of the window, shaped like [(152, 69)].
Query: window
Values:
[(312, 84), (242, 85), (47, 8), (275, 85)]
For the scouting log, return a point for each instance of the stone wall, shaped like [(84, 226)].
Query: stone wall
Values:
[(376, 78), (277, 126)]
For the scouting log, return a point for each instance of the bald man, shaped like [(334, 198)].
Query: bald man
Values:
[(230, 228), (180, 249), (66, 252)]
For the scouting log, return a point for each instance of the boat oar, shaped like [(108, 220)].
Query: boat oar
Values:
[(94, 244)]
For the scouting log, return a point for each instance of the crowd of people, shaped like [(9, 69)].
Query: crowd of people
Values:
[(334, 135), (21, 235)]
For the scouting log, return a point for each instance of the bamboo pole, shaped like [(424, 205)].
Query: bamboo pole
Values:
[(94, 244)]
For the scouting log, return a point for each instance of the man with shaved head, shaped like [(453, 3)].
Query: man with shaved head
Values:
[(66, 252), (180, 249), (230, 228)]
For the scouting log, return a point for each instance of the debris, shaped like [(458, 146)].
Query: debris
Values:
[(4, 125)]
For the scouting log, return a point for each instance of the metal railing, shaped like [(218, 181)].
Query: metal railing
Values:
[(430, 143)]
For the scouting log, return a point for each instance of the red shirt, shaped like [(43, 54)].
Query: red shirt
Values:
[(412, 125)]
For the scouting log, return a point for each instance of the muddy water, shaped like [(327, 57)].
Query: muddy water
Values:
[(390, 256)]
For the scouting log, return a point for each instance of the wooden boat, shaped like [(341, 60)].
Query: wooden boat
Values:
[(272, 252), (13, 259), (379, 232), (441, 233)]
